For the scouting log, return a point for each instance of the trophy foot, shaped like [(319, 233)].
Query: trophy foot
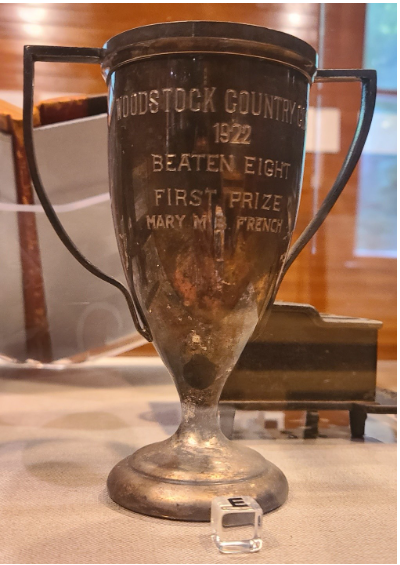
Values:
[(176, 480)]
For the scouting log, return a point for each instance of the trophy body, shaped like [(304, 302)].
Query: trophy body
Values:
[(206, 150), (206, 159)]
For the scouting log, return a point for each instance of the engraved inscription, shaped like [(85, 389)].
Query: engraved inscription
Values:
[(251, 185), (166, 100), (267, 167), (183, 197), (219, 163), (208, 99), (157, 221), (232, 133), (193, 162), (246, 223), (166, 197), (251, 223), (267, 106)]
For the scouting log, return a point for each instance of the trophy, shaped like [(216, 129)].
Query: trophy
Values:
[(207, 125)]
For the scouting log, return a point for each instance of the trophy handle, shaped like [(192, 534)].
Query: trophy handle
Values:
[(32, 54), (368, 96)]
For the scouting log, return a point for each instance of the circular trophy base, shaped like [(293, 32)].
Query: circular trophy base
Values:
[(173, 480)]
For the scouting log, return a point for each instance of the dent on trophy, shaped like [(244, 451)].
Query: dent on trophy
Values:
[(207, 124)]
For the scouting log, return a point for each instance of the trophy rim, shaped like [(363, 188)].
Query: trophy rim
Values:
[(189, 37)]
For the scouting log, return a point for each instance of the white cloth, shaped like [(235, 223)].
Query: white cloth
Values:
[(62, 431)]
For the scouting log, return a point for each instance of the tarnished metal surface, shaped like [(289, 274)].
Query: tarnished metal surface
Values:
[(206, 147), (204, 205)]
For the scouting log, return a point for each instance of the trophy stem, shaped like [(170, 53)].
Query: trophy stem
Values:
[(177, 478), (199, 423)]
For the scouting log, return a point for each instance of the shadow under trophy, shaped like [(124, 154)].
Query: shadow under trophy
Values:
[(207, 126)]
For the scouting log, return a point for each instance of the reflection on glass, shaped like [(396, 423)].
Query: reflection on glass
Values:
[(377, 195), (376, 210), (380, 43)]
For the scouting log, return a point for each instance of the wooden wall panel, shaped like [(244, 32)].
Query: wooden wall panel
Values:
[(92, 25)]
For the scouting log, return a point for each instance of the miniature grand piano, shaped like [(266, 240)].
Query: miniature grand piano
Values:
[(303, 360)]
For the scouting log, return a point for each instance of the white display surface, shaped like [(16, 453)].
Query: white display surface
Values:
[(63, 430)]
